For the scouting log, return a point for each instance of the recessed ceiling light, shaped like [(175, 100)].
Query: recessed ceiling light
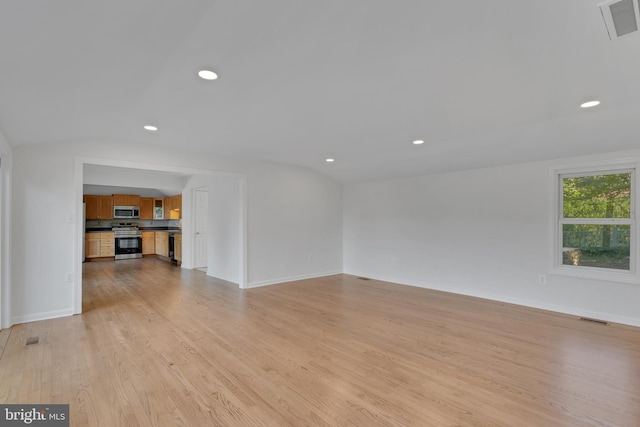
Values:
[(151, 128), (590, 104), (207, 75), (418, 142), (330, 160)]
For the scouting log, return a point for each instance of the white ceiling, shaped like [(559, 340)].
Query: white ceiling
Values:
[(483, 83)]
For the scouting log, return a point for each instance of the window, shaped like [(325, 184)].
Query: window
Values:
[(595, 228)]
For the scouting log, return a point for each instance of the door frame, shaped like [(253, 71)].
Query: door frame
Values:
[(79, 226), (193, 242)]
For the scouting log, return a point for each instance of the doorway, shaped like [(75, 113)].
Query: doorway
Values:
[(203, 176)]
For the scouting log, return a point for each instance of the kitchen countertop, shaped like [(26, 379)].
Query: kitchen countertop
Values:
[(159, 229)]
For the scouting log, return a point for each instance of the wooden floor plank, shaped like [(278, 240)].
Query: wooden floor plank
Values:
[(161, 346)]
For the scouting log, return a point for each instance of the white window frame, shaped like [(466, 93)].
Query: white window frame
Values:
[(558, 220)]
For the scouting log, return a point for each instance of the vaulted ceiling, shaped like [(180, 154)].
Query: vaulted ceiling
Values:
[(482, 83)]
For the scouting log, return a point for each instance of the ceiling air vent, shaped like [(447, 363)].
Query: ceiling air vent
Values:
[(620, 16)]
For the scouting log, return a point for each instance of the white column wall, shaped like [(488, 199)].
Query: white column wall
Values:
[(6, 159), (225, 232), (225, 239)]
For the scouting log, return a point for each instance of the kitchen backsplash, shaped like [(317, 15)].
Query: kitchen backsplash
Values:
[(106, 223)]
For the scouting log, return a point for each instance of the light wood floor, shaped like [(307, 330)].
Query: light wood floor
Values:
[(157, 345)]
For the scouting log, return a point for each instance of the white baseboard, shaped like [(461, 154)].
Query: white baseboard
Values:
[(291, 279), (41, 316), (574, 311)]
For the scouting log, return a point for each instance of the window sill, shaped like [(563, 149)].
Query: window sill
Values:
[(597, 274)]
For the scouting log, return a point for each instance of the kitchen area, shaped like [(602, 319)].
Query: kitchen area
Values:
[(127, 226)]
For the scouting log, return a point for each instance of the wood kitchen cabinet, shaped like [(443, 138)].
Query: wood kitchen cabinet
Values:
[(107, 244), (167, 207), (126, 200), (177, 205), (105, 211), (92, 245), (91, 204), (148, 243), (173, 207), (158, 208), (98, 207), (162, 243), (100, 244), (146, 208), (177, 247)]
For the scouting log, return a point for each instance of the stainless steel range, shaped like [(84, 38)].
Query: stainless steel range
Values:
[(128, 240)]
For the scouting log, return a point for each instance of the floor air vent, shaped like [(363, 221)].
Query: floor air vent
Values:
[(601, 322), (621, 17), (363, 278), (32, 340)]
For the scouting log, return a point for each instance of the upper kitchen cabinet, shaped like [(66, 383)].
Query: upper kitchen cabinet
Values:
[(177, 205), (98, 207), (173, 207), (158, 208), (126, 200), (146, 208)]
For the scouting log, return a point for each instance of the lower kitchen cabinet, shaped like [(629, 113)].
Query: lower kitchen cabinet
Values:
[(162, 243), (92, 245), (148, 243), (107, 244), (100, 244)]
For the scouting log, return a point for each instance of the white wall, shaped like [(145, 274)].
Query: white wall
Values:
[(45, 196), (6, 165), (294, 225), (301, 212), (225, 239), (105, 176), (107, 190), (482, 232), (225, 233)]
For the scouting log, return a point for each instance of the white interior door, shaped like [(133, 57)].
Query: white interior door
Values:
[(200, 198)]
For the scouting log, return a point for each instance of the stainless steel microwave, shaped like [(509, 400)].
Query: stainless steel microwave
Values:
[(126, 212)]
